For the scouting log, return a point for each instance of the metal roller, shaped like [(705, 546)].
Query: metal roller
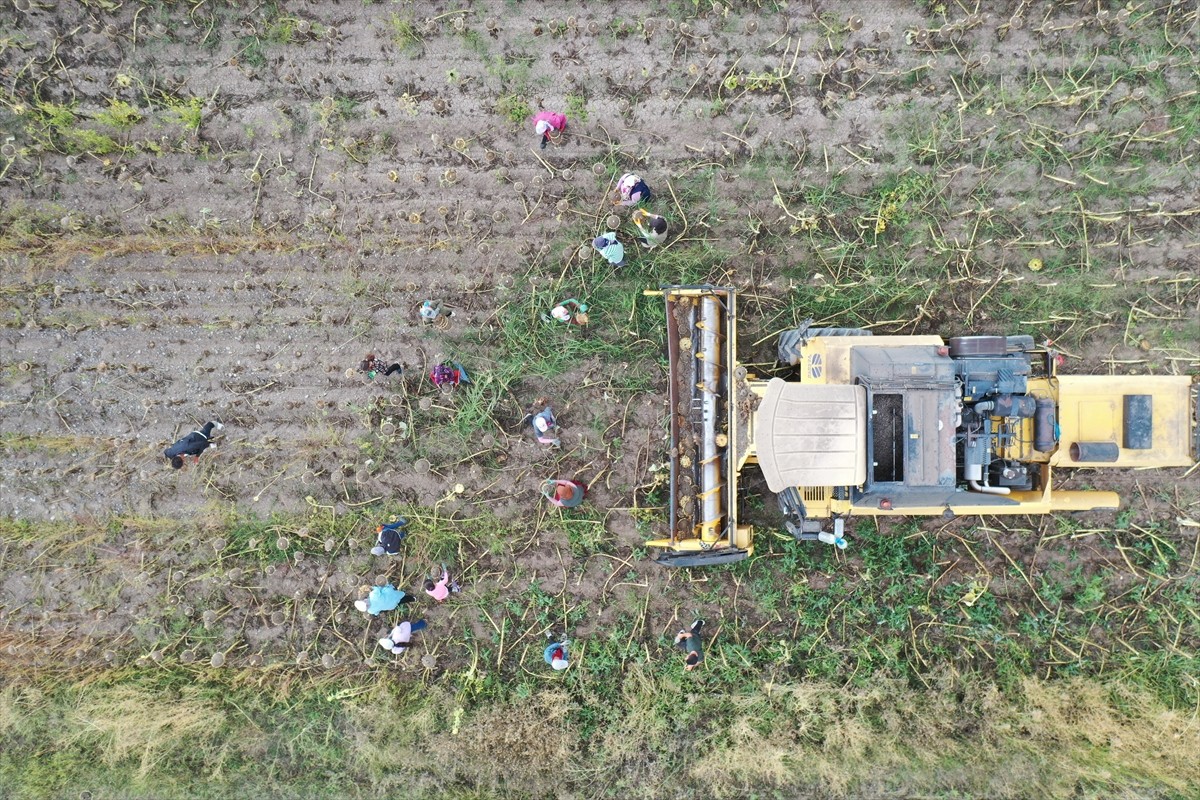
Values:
[(709, 368)]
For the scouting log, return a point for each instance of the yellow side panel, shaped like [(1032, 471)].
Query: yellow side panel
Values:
[(1090, 409)]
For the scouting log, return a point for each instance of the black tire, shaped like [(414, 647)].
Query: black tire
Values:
[(814, 332), (978, 346), (791, 504), (789, 346), (791, 341)]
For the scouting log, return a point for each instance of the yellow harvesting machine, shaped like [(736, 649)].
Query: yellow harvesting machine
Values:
[(892, 426)]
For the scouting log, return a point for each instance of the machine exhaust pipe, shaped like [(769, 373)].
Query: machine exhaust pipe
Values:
[(977, 487)]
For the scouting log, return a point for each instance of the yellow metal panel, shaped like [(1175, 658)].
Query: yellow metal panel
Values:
[(742, 539), (1090, 409), (1027, 503), (1097, 420)]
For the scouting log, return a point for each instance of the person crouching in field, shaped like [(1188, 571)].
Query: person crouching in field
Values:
[(448, 374), (556, 655), (689, 642), (632, 190), (441, 590), (612, 250), (549, 125), (563, 493), (372, 366), (192, 445), (570, 311), (652, 227), (401, 636), (433, 311), (390, 535), (545, 426), (377, 599)]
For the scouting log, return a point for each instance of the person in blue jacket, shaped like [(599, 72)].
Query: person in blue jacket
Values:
[(382, 598)]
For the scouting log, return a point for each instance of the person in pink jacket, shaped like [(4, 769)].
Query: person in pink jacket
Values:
[(441, 590), (547, 124)]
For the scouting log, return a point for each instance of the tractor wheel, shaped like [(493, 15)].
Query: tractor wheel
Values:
[(789, 346), (791, 504), (978, 346), (814, 332), (791, 341)]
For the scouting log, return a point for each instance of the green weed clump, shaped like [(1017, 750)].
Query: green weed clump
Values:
[(119, 114), (404, 32), (514, 108), (187, 112)]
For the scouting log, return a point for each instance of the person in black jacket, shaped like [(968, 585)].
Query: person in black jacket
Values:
[(192, 445), (689, 642), (391, 534)]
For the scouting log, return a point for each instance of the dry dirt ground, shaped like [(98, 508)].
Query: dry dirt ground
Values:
[(244, 199)]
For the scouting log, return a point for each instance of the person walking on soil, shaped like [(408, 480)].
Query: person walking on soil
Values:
[(632, 190), (401, 636), (390, 535), (563, 493), (556, 655), (432, 310), (549, 125), (571, 312), (612, 250), (545, 426), (448, 374), (689, 642), (192, 445), (372, 366), (441, 590), (652, 227), (381, 598)]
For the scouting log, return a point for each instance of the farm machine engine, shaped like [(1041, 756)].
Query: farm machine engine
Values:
[(892, 426)]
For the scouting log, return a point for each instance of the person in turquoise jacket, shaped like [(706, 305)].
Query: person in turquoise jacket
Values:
[(382, 598), (612, 250)]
